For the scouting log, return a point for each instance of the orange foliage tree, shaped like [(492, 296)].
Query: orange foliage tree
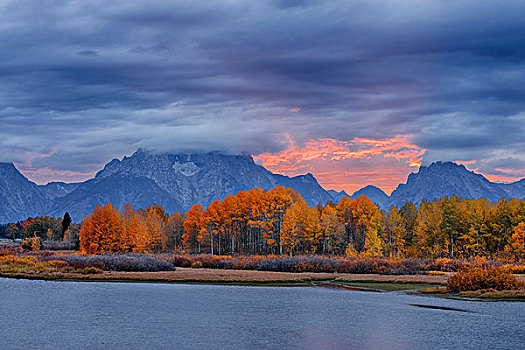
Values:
[(102, 231), (191, 239), (279, 221), (517, 243)]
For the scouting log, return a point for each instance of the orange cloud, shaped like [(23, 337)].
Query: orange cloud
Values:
[(500, 178), (318, 156), (465, 162), (295, 109), (332, 149)]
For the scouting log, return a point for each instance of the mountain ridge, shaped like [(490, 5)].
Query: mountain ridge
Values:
[(177, 181), (174, 181), (441, 179)]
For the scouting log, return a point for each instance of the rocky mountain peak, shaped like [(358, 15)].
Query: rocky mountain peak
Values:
[(441, 179), (19, 197), (177, 181)]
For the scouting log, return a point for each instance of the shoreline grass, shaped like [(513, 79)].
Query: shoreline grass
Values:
[(357, 275), (424, 289)]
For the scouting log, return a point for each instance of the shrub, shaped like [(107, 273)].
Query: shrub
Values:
[(56, 245), (30, 264), (8, 251), (517, 269), (197, 265), (80, 262), (57, 263), (91, 271), (278, 264), (315, 264), (437, 273), (212, 261), (482, 277), (248, 262), (26, 244), (446, 265), (35, 243), (405, 267), (120, 262), (181, 261), (360, 265)]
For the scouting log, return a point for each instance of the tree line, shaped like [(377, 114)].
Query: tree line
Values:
[(43, 227), (279, 221)]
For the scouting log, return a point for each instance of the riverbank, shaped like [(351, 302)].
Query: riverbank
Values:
[(351, 274), (241, 277), (432, 285)]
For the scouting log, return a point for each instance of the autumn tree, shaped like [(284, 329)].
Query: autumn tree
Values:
[(279, 200), (409, 213), (12, 231), (175, 231), (102, 230), (394, 233), (360, 218), (332, 231), (191, 239), (516, 245), (156, 220), (430, 242), (301, 229), (135, 236)]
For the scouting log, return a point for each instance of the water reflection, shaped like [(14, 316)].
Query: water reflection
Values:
[(71, 315)]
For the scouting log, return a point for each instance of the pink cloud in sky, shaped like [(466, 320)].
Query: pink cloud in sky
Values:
[(349, 165)]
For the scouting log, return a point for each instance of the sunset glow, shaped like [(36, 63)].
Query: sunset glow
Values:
[(501, 178), (42, 176), (348, 165)]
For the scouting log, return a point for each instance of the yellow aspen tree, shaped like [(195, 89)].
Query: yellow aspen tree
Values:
[(291, 228), (331, 230), (517, 243), (175, 231), (155, 226)]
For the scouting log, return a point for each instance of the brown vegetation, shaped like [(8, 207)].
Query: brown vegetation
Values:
[(483, 277)]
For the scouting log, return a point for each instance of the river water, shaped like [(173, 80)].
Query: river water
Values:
[(76, 315)]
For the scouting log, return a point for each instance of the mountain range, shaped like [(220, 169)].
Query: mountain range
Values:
[(177, 181)]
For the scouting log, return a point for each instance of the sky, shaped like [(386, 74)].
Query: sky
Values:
[(355, 92)]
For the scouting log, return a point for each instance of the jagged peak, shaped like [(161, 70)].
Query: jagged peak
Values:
[(189, 154), (442, 165), (439, 166)]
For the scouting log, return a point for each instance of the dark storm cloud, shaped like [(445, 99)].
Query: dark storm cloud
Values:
[(81, 82)]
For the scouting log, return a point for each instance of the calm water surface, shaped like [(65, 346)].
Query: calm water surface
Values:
[(75, 315)]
